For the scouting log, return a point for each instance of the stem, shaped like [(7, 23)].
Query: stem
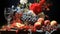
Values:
[(37, 1), (8, 23)]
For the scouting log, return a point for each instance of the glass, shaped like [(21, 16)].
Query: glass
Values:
[(7, 14)]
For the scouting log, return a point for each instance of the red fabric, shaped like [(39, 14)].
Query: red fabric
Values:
[(22, 27), (18, 20), (33, 29), (37, 7), (26, 27), (14, 24)]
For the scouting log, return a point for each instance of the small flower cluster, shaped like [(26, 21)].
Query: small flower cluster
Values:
[(23, 1)]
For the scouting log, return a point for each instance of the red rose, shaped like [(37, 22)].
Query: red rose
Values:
[(37, 7)]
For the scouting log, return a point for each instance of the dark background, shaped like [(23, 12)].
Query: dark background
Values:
[(54, 13)]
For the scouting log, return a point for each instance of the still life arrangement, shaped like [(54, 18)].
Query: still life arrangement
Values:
[(29, 17)]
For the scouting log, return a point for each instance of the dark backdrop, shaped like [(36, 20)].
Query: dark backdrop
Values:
[(53, 14), (3, 4)]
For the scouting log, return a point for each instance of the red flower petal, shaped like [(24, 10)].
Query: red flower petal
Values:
[(37, 7)]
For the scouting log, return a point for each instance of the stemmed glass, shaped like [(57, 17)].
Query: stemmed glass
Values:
[(7, 14)]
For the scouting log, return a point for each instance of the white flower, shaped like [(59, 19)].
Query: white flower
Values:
[(23, 1), (18, 9)]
